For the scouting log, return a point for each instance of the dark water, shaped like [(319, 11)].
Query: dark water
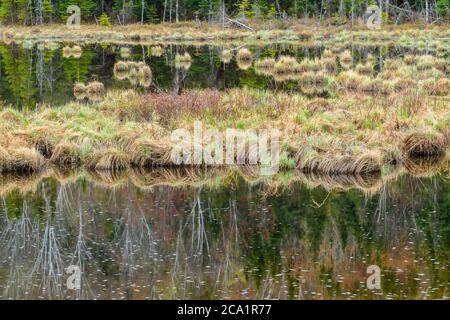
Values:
[(32, 74), (227, 240)]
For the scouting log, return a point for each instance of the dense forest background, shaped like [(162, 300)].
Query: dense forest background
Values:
[(35, 12)]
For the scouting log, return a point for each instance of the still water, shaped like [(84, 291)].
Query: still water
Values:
[(154, 236), (44, 73), (169, 235)]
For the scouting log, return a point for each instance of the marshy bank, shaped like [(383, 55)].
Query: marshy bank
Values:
[(335, 121), (183, 178), (132, 130), (294, 31)]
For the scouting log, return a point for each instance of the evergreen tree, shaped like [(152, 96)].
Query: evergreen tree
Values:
[(152, 14), (49, 10), (104, 20)]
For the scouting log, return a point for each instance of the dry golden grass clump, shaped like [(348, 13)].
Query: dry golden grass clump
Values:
[(410, 59), (439, 87), (350, 80), (346, 57), (183, 61), (314, 83), (310, 160), (138, 73), (66, 155), (109, 159), (74, 52), (265, 66), (79, 91), (244, 59), (428, 62), (125, 52), (44, 147), (286, 65), (20, 160), (364, 69), (329, 64), (95, 91), (327, 53), (318, 105), (145, 153), (226, 56), (156, 51), (374, 86), (316, 78), (389, 75), (121, 70), (393, 65), (425, 144), (310, 65)]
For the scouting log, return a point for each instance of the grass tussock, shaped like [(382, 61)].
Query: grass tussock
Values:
[(226, 56), (66, 155), (183, 61), (72, 52), (79, 91), (94, 91), (265, 66), (138, 73), (110, 159), (20, 160), (156, 51), (424, 166), (310, 160), (148, 153), (424, 144), (365, 69), (244, 59)]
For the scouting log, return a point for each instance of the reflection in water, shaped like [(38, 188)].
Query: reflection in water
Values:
[(135, 238), (46, 73)]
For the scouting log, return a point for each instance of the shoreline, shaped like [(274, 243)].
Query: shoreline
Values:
[(197, 178), (190, 33)]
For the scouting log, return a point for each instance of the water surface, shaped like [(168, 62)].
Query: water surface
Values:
[(239, 239), (41, 73)]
